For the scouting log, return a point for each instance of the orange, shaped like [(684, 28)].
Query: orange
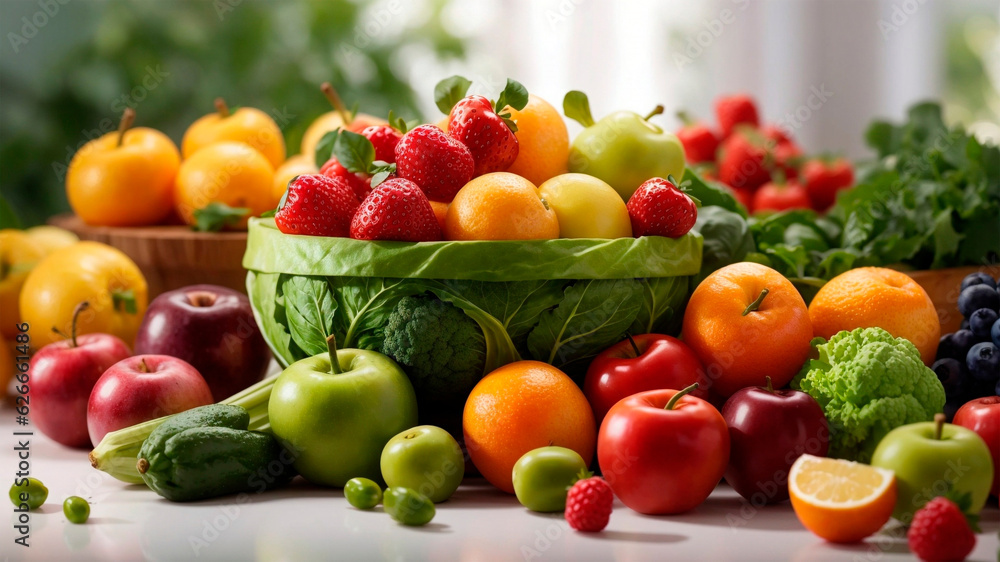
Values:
[(500, 206), (246, 124), (232, 173), (440, 212), (18, 255), (877, 297), (297, 165), (841, 501), (542, 141), (741, 344), (520, 407)]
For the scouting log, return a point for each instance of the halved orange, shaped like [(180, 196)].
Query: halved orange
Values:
[(841, 501)]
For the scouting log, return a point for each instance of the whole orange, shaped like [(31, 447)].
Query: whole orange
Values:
[(522, 406), (869, 297), (231, 173), (500, 206), (747, 322), (542, 141), (440, 211)]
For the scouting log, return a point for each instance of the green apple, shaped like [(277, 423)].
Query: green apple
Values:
[(929, 458), (624, 149), (336, 416), (542, 477), (426, 459), (587, 207)]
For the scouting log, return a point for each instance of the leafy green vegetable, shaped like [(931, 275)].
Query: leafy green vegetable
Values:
[(868, 383), (310, 314), (663, 300), (727, 238), (711, 193)]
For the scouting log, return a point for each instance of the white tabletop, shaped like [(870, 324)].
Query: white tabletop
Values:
[(303, 522)]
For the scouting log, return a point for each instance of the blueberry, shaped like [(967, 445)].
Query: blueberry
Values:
[(981, 322), (995, 333), (976, 297), (949, 372), (964, 325), (956, 346), (978, 278), (983, 362)]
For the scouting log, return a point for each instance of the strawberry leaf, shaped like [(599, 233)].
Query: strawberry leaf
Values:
[(576, 106), (268, 214), (514, 95), (354, 152), (123, 300), (324, 148), (964, 503), (449, 91), (381, 170), (215, 216), (400, 124)]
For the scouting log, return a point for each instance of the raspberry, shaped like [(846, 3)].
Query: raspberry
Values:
[(940, 532), (588, 505)]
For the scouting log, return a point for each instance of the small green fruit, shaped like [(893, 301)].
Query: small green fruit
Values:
[(32, 492), (362, 493), (76, 509), (408, 507)]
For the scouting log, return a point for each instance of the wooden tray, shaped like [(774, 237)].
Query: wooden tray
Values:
[(172, 257), (943, 287)]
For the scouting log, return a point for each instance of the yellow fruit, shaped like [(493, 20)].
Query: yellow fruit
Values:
[(841, 501), (6, 366), (542, 141), (246, 124), (19, 253), (296, 165), (328, 122), (499, 206), (52, 238), (587, 207), (86, 271), (231, 173)]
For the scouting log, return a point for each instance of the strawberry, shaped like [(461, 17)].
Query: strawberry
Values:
[(777, 134), (745, 162), (482, 125), (780, 196), (658, 208), (941, 531), (396, 210), (439, 164), (588, 504), (787, 158), (700, 142), (358, 182), (734, 110), (824, 178), (316, 205), (384, 138)]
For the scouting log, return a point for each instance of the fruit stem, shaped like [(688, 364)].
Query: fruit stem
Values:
[(142, 466), (752, 307), (336, 102), (673, 399), (631, 342), (76, 314), (656, 111), (331, 344), (221, 107), (128, 116), (769, 387), (685, 118), (143, 367), (938, 426)]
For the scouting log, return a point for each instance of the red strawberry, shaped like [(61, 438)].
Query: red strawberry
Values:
[(360, 184), (492, 143), (733, 110), (777, 134), (658, 208), (384, 138), (745, 161), (700, 142), (396, 210), (940, 531), (824, 179), (787, 158), (316, 205), (780, 196), (439, 164), (588, 504)]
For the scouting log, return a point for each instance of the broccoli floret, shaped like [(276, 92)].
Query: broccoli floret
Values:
[(868, 383), (441, 349)]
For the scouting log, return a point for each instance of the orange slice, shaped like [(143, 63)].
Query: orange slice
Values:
[(841, 501)]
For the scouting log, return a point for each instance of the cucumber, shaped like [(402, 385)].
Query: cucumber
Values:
[(208, 452)]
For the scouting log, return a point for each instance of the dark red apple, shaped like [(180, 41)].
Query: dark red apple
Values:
[(143, 388), (213, 329), (982, 415), (641, 363), (62, 375), (768, 430)]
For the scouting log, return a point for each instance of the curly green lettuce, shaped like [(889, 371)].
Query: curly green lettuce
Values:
[(868, 383)]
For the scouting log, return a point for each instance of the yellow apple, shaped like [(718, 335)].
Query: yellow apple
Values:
[(586, 207), (246, 124)]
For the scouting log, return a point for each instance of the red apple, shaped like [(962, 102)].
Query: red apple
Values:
[(641, 363), (982, 415), (213, 329), (768, 430), (143, 388), (62, 375)]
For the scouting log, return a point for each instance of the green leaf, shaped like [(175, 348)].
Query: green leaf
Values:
[(354, 152), (946, 240), (215, 216), (663, 300), (515, 304), (513, 95), (499, 348), (268, 214), (310, 308), (267, 303), (400, 124), (576, 106), (381, 173), (592, 315), (324, 148), (450, 91), (710, 193), (124, 301), (364, 303), (727, 239), (8, 219)]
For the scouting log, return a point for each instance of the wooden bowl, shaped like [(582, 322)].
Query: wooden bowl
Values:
[(172, 257), (943, 287)]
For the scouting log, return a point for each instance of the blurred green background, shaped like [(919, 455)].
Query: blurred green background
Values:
[(168, 60)]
